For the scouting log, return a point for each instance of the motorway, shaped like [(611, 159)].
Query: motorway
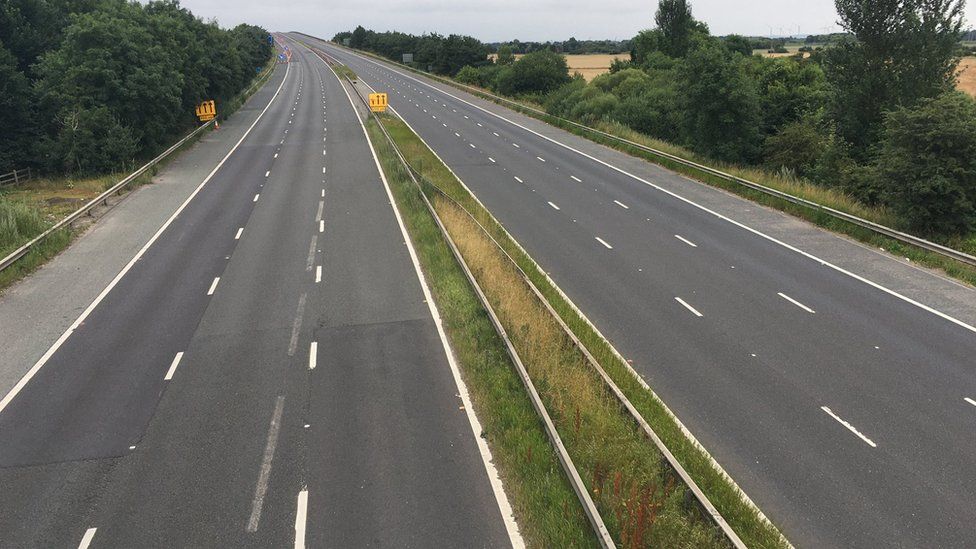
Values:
[(266, 372), (845, 411)]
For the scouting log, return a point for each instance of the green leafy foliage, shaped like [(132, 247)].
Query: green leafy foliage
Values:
[(927, 163), (110, 80), (433, 52), (538, 72)]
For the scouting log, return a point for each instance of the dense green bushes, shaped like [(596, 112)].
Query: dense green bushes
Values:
[(432, 52), (94, 84)]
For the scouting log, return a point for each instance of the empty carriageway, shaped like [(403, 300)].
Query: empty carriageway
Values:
[(268, 373), (838, 404)]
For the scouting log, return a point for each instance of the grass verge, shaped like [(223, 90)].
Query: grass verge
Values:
[(627, 466), (803, 189)]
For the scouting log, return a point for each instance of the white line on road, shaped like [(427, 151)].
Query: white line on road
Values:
[(604, 242), (173, 365), (318, 274), (296, 325), (256, 197), (267, 173), (516, 145), (541, 159), (797, 303), (686, 241), (313, 351), (457, 134), (323, 169), (492, 159), (311, 252), (576, 179), (555, 207), (318, 214), (265, 472), (971, 401), (519, 180), (849, 427), (87, 538), (300, 519), (323, 193), (693, 310), (239, 232), (471, 145), (496, 134), (621, 204), (213, 286), (322, 226), (276, 155)]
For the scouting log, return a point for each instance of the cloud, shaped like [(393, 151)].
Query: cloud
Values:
[(497, 20)]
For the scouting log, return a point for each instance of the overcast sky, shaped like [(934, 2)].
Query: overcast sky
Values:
[(503, 20)]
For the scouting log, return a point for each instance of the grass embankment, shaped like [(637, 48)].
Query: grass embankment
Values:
[(30, 209), (832, 198), (638, 495)]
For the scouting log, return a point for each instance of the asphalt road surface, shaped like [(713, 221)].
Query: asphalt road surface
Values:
[(845, 411), (267, 373)]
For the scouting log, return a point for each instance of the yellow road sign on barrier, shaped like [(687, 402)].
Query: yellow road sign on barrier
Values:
[(206, 111), (377, 102)]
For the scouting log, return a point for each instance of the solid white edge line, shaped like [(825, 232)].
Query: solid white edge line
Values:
[(555, 207), (501, 498), (797, 303), (621, 204), (264, 473), (693, 310), (98, 299), (301, 513), (849, 427), (604, 242), (756, 232), (173, 365), (87, 538), (313, 351), (686, 241)]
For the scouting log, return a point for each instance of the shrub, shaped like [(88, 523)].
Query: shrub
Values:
[(927, 162)]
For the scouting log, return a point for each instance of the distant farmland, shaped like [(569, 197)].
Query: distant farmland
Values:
[(589, 65), (967, 75)]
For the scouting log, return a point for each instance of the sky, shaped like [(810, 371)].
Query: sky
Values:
[(535, 20)]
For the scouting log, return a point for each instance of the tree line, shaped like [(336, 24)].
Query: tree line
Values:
[(88, 86), (431, 52), (874, 114)]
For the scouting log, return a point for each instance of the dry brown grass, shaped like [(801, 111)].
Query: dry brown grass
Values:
[(967, 75), (590, 65)]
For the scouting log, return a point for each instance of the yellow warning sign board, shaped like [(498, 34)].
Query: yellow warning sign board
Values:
[(206, 111), (377, 102)]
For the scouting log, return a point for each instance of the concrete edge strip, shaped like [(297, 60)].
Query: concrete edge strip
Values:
[(501, 498), (98, 299)]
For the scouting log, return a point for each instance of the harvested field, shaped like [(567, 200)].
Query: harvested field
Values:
[(590, 65), (967, 75)]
